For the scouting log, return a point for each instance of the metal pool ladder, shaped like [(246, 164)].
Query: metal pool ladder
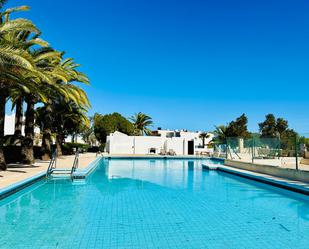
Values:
[(52, 164), (51, 170), (75, 164)]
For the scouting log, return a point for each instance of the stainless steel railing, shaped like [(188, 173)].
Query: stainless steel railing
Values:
[(52, 164), (75, 164)]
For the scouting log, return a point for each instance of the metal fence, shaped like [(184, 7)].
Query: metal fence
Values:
[(288, 152)]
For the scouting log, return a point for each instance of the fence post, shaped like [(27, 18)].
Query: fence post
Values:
[(296, 153), (226, 154), (252, 147)]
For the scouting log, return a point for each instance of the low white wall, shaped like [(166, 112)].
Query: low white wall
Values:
[(143, 144), (120, 145), (176, 144)]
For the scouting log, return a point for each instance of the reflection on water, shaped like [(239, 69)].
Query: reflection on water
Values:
[(171, 173)]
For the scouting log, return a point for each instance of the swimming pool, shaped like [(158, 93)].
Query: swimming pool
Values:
[(154, 204)]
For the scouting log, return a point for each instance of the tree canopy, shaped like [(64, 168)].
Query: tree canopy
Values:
[(272, 127), (109, 123), (238, 128), (141, 123), (33, 72)]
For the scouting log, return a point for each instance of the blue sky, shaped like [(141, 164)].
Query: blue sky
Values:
[(188, 64)]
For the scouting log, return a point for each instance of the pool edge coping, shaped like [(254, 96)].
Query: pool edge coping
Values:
[(295, 186), (83, 173), (17, 186)]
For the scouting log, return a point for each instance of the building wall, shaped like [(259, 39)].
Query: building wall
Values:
[(9, 125), (177, 144), (122, 144), (142, 144), (9, 129), (188, 135)]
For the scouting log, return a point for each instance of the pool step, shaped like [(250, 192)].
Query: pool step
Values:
[(61, 170), (60, 173), (210, 166)]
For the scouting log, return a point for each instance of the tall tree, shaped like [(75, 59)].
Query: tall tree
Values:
[(238, 128), (268, 127), (104, 125), (281, 125), (19, 114), (204, 136), (220, 134), (63, 72), (279, 129), (272, 127), (32, 72), (16, 64), (141, 123)]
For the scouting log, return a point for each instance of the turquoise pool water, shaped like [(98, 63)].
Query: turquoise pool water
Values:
[(154, 204)]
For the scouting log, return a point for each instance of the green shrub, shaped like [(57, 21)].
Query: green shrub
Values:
[(70, 148)]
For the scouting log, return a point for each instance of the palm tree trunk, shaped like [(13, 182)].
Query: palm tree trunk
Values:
[(73, 138), (3, 97), (46, 144), (18, 117), (59, 139), (27, 143), (46, 140)]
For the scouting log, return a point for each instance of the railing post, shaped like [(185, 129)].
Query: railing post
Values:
[(226, 153), (296, 153), (252, 147), (56, 156)]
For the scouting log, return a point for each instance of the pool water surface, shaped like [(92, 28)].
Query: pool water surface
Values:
[(142, 203)]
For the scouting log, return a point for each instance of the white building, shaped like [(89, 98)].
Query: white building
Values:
[(163, 142), (9, 126)]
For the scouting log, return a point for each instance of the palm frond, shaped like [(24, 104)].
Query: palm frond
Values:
[(19, 24), (15, 57)]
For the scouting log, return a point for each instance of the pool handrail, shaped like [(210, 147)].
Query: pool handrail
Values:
[(52, 164), (75, 163)]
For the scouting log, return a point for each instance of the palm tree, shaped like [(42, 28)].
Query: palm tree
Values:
[(32, 97), (64, 73), (141, 122), (71, 118), (220, 134), (16, 64), (203, 136), (87, 133), (32, 72)]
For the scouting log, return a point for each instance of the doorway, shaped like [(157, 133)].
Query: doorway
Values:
[(191, 147)]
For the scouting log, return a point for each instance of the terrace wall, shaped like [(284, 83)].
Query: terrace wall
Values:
[(292, 174)]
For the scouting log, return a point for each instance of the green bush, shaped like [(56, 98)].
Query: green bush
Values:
[(70, 148)]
